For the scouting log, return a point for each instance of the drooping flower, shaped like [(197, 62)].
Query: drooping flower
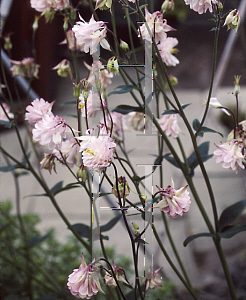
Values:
[(84, 281), (233, 20), (48, 162), (134, 119), (166, 49), (157, 26), (93, 104), (26, 68), (37, 110), (63, 68), (117, 130), (88, 35), (119, 274), (97, 150), (152, 279), (103, 4), (99, 76), (69, 151), (50, 131), (44, 5), (230, 155), (169, 124), (175, 202), (3, 116), (216, 104), (201, 6)]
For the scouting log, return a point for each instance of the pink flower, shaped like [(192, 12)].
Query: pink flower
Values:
[(83, 282), (119, 274), (70, 152), (26, 68), (169, 124), (3, 116), (166, 48), (230, 155), (97, 150), (99, 76), (233, 20), (37, 110), (137, 120), (152, 280), (157, 25), (43, 5), (175, 202), (117, 124), (93, 104), (88, 35), (63, 68), (50, 131), (201, 6)]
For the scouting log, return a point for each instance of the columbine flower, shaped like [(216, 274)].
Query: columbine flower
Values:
[(152, 280), (117, 124), (175, 202), (99, 76), (48, 162), (3, 116), (232, 20), (169, 124), (124, 46), (89, 34), (93, 104), (119, 274), (216, 104), (83, 282), (97, 151), (201, 6), (69, 151), (137, 120), (103, 4), (26, 68), (37, 110), (50, 131), (123, 188), (63, 68), (166, 49), (230, 155), (113, 65), (44, 5), (167, 6), (157, 25)]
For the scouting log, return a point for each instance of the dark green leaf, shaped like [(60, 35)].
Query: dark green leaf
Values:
[(82, 229), (9, 168), (111, 223), (37, 240), (7, 124), (122, 89), (172, 160), (104, 194), (230, 231), (28, 156), (231, 213), (125, 109), (195, 236), (56, 187), (206, 129), (66, 187), (196, 123), (203, 150), (173, 111)]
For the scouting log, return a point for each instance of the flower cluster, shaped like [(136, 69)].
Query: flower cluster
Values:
[(201, 6), (26, 68), (175, 202), (152, 280), (44, 5)]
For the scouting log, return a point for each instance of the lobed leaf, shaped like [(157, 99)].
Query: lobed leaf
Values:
[(195, 236)]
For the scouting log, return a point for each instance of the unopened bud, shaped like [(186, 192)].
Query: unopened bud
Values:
[(82, 173), (135, 228), (63, 68), (173, 80), (232, 20), (236, 85), (103, 4), (167, 6), (113, 65), (77, 90), (48, 162), (65, 24), (124, 46), (7, 43), (123, 187), (35, 23)]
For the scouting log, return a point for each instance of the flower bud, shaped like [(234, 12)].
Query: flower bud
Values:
[(49, 15), (123, 187), (173, 80), (135, 228), (48, 162), (103, 4), (113, 65), (232, 20), (82, 173), (236, 85), (77, 90), (7, 43), (35, 23), (65, 24), (124, 46), (167, 6), (63, 68)]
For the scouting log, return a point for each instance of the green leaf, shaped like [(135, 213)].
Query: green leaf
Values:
[(7, 124), (111, 223), (195, 236), (122, 89), (173, 111), (66, 187), (9, 168), (172, 160), (37, 240), (56, 187), (196, 123), (125, 109), (230, 214), (230, 231), (85, 231)]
